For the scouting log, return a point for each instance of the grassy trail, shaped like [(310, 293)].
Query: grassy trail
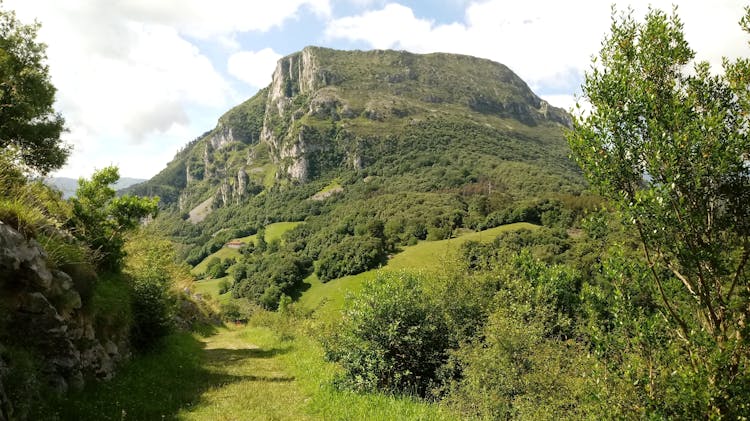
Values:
[(243, 373), (233, 374), (261, 388)]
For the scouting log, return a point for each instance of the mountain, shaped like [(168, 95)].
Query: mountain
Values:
[(422, 143), (68, 186)]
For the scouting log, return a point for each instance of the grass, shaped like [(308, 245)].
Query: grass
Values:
[(274, 231), (334, 185), (261, 388), (269, 175), (211, 287), (429, 256), (222, 253), (152, 387), (245, 373), (236, 374)]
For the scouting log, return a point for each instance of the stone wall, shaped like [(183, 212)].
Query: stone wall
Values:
[(44, 315)]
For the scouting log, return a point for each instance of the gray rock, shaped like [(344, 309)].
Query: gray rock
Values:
[(22, 261), (44, 316)]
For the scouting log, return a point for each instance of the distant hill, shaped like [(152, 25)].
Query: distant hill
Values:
[(422, 143), (68, 185)]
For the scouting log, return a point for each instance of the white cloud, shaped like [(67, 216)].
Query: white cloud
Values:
[(254, 68), (566, 102), (130, 72), (549, 43), (371, 27), (205, 19)]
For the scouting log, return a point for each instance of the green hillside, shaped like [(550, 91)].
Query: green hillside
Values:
[(373, 150), (427, 256)]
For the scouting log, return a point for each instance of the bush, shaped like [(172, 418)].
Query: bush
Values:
[(216, 268), (393, 338), (522, 365), (152, 272), (224, 286), (151, 313)]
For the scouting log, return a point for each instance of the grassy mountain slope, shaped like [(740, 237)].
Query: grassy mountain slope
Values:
[(430, 256), (370, 149)]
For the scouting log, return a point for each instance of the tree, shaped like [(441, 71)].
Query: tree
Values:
[(100, 219), (29, 127), (669, 146)]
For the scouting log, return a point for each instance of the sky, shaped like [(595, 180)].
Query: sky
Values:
[(138, 79)]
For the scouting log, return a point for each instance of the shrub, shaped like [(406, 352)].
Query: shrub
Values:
[(152, 272), (224, 286), (216, 268), (393, 338), (151, 313)]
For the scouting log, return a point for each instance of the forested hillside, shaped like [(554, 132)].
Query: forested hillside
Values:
[(373, 150)]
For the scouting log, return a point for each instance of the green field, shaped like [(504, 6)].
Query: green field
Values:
[(222, 253), (429, 256), (275, 231), (211, 287)]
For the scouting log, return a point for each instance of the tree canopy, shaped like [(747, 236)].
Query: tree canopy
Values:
[(29, 126), (667, 141), (100, 219)]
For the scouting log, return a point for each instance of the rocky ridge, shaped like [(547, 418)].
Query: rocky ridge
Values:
[(323, 104)]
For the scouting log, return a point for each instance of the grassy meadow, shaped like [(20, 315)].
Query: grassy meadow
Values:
[(254, 372)]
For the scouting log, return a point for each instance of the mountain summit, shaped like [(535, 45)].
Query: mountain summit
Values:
[(363, 126), (364, 90), (358, 95)]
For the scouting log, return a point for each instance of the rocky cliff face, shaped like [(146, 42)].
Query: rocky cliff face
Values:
[(43, 314), (295, 75), (318, 84)]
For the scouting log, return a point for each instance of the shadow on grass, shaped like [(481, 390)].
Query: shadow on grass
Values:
[(226, 355), (156, 386), (297, 292), (205, 329)]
